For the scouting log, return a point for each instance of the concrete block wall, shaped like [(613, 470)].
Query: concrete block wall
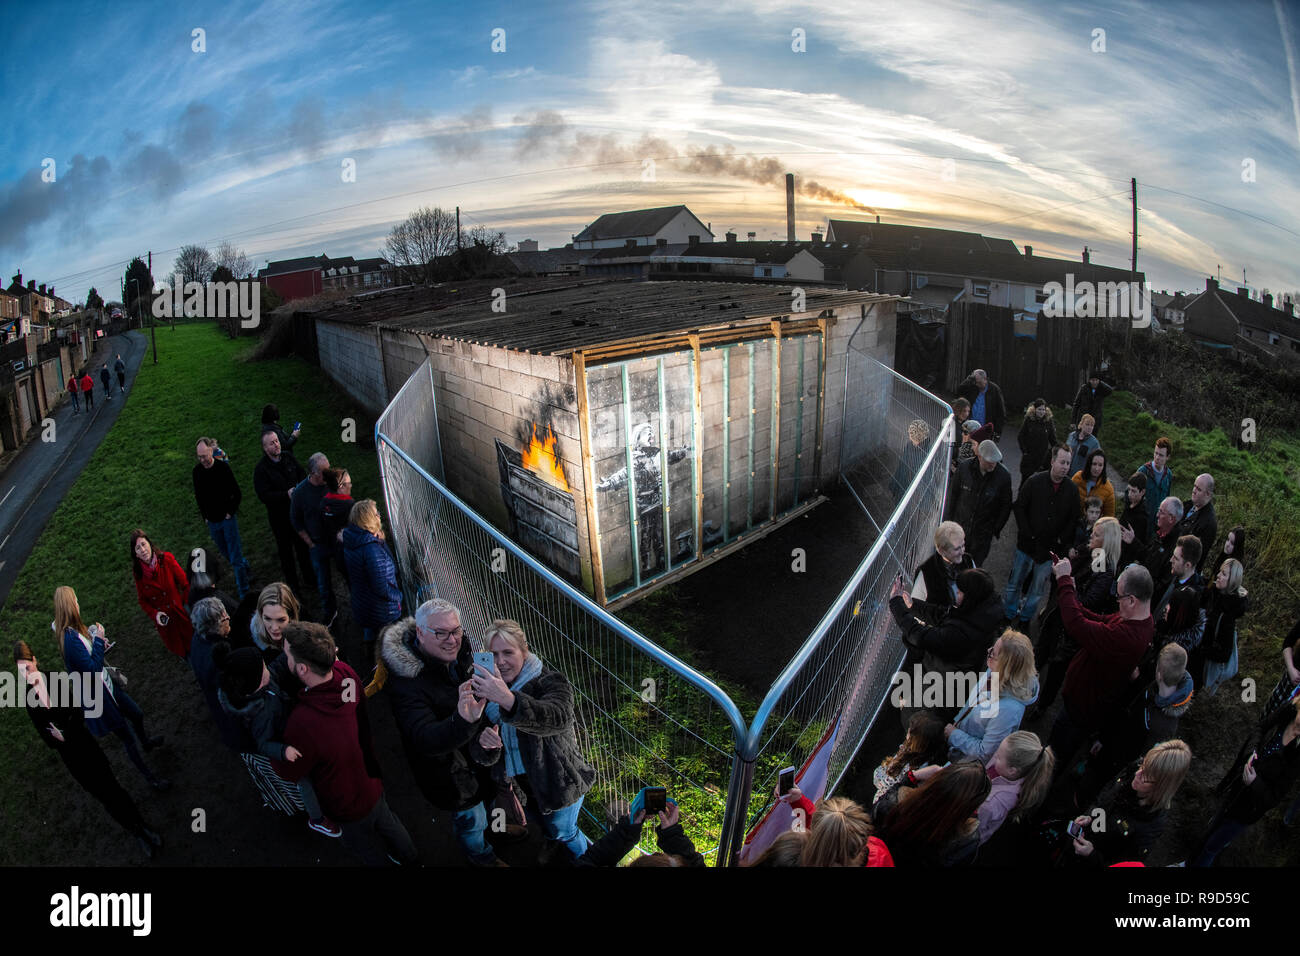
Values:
[(486, 393), (351, 356), (876, 337)]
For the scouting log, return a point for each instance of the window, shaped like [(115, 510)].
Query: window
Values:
[(767, 273), (981, 290)]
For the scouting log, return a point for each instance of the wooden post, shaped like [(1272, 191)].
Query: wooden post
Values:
[(697, 438), (588, 477)]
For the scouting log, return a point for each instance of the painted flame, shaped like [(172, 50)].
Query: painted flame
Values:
[(539, 458)]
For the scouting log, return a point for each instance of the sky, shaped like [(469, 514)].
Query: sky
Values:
[(1020, 120)]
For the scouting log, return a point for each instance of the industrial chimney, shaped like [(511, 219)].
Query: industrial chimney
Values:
[(789, 207)]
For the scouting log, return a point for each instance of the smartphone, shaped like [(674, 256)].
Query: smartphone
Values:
[(297, 425), (656, 800), (109, 646), (1074, 829), (485, 660), (786, 781)]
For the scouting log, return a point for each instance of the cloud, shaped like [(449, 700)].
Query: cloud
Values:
[(30, 204)]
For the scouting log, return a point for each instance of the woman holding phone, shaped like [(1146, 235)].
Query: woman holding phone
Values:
[(1134, 807), (111, 710), (161, 587), (533, 739)]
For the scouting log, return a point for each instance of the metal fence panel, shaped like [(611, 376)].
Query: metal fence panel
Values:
[(644, 718)]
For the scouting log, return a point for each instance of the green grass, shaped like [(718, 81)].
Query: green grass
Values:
[(140, 477)]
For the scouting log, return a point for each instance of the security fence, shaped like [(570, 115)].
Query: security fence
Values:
[(645, 717)]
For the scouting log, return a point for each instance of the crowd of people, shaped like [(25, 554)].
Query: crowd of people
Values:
[(1129, 623), (1109, 605)]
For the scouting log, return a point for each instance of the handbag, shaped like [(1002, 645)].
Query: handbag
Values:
[(507, 800), (116, 676)]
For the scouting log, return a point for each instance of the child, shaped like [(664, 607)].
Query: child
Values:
[(1081, 552), (924, 744), (1022, 773), (251, 694)]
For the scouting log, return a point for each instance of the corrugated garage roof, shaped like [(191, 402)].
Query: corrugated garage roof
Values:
[(561, 320)]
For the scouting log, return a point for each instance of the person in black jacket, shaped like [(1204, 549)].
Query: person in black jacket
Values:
[(1134, 521), (1135, 806), (1037, 438), (675, 847), (1215, 659), (961, 639), (533, 737), (429, 661), (986, 401), (1263, 774), (271, 423), (274, 479), (981, 501), (1198, 516), (63, 729), (934, 587), (217, 493), (1090, 400), (1047, 511)]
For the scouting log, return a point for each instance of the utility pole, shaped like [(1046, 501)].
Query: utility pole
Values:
[(1128, 325), (458, 229), (153, 333)]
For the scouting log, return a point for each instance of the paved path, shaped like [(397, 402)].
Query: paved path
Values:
[(36, 480)]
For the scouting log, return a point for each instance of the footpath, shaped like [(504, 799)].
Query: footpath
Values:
[(36, 479)]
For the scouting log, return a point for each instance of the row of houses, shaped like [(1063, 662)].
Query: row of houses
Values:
[(311, 275)]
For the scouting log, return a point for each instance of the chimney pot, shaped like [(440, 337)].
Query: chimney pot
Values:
[(731, 237), (1243, 292), (1029, 251), (41, 288), (1211, 285), (1086, 254), (1268, 299), (789, 207), (877, 219), (31, 285)]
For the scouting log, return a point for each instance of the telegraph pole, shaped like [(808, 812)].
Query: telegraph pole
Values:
[(153, 334), (458, 229), (1128, 326)]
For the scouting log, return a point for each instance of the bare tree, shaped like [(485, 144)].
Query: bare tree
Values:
[(418, 240), (193, 264), (233, 259), (494, 243)]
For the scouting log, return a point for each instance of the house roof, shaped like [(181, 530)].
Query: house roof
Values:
[(638, 222), (548, 260), (569, 315), (1008, 267), (285, 266), (1257, 315), (900, 236)]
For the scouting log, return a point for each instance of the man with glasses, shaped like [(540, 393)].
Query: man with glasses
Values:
[(1110, 647), (429, 663)]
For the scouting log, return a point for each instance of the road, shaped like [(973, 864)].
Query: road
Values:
[(42, 472)]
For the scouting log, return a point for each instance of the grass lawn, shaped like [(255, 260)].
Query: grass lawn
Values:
[(140, 477)]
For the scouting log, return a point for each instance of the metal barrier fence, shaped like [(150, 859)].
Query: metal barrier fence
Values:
[(644, 716), (840, 678)]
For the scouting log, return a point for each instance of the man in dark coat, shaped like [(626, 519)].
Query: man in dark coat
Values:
[(1090, 399), (1198, 516), (1135, 526), (1161, 550), (982, 500), (305, 516), (218, 496), (986, 401), (429, 665), (1037, 437), (1047, 511), (274, 479)]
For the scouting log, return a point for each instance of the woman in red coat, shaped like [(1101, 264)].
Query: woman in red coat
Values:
[(161, 586)]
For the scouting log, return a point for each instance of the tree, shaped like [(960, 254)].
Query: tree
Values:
[(233, 260), (138, 281), (93, 300), (193, 264), (417, 241)]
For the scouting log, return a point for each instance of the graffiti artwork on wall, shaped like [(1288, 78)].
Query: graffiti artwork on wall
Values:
[(648, 475)]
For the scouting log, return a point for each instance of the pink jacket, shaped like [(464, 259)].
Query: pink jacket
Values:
[(1002, 799)]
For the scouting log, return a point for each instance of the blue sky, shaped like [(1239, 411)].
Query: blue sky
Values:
[(156, 145)]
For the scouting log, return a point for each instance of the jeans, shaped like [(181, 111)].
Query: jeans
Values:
[(562, 826), (89, 396), (379, 838), (121, 381), (320, 563), (226, 536), (76, 401), (1020, 569), (1218, 840), (468, 825), (134, 718)]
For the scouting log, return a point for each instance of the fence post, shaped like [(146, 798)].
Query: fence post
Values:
[(735, 816)]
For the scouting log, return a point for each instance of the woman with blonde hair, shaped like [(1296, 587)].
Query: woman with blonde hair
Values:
[(837, 835), (912, 457), (1135, 806), (1215, 658), (111, 710), (276, 607), (996, 707), (1021, 774), (532, 738), (372, 575)]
